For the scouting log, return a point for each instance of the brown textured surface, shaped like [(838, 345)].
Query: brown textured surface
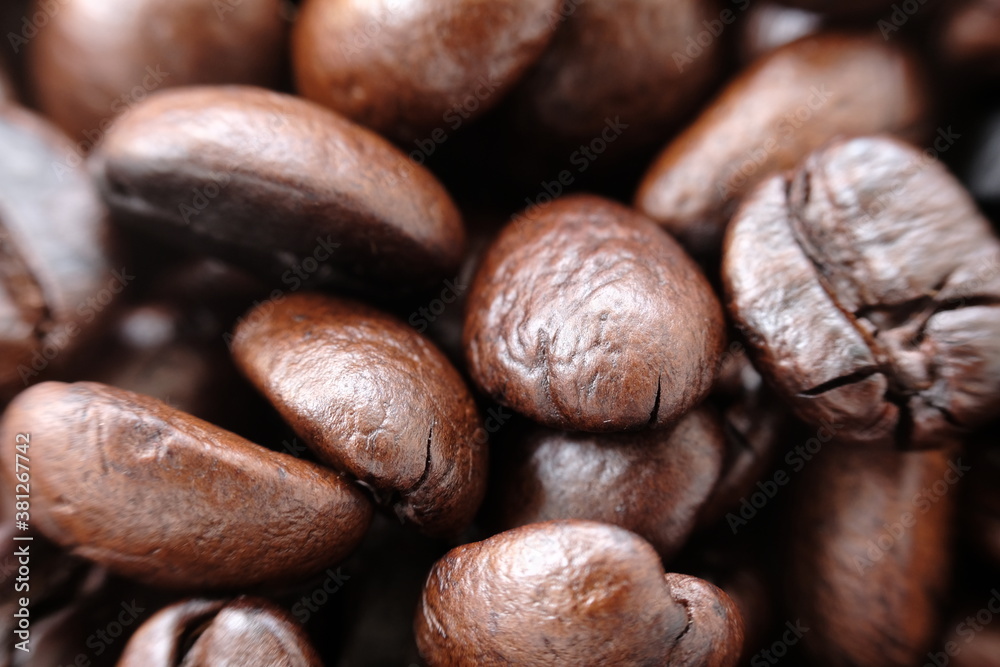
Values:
[(93, 59), (838, 84), (293, 174), (54, 249), (570, 593), (865, 605), (865, 283), (587, 317), (404, 67), (623, 59), (653, 483), (246, 632), (372, 398), (167, 499)]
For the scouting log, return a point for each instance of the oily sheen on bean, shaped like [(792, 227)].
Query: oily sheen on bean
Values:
[(268, 179), (168, 499)]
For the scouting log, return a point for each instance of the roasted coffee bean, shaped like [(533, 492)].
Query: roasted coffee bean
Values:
[(416, 70), (96, 59), (167, 499), (624, 68), (769, 25), (653, 483), (571, 592), (870, 554), (585, 316), (249, 632), (769, 118), (374, 399), (970, 642), (866, 282), (56, 278), (274, 180)]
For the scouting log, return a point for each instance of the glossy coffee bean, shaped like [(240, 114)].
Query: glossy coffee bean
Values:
[(56, 278), (167, 499), (249, 632), (630, 62), (275, 181), (416, 70), (653, 483), (96, 59), (571, 592), (772, 116), (374, 399), (870, 554), (866, 282), (585, 316)]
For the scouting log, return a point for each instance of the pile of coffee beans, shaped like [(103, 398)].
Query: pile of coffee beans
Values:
[(405, 333)]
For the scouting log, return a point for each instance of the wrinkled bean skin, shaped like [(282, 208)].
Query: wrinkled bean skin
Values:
[(571, 592), (167, 499), (96, 59), (56, 250), (867, 596), (865, 282), (246, 632), (280, 179), (769, 118), (411, 69), (587, 317), (653, 483), (622, 60), (372, 398)]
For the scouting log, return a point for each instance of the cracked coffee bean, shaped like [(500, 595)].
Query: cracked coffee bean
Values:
[(862, 280), (416, 70), (56, 280), (266, 179), (870, 554), (585, 316), (571, 593), (374, 399), (245, 632), (93, 60), (168, 499), (653, 483), (769, 118)]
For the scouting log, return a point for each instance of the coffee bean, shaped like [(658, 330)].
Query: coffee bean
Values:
[(203, 633), (417, 70), (868, 283), (167, 499), (94, 60), (653, 483), (571, 592), (272, 180), (771, 117), (585, 316), (374, 399), (769, 25)]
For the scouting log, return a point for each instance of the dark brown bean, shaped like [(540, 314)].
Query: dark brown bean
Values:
[(249, 632), (772, 116), (56, 279), (866, 283), (870, 554), (587, 317), (571, 592), (653, 483), (167, 499), (417, 69), (274, 180), (372, 398), (95, 59)]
